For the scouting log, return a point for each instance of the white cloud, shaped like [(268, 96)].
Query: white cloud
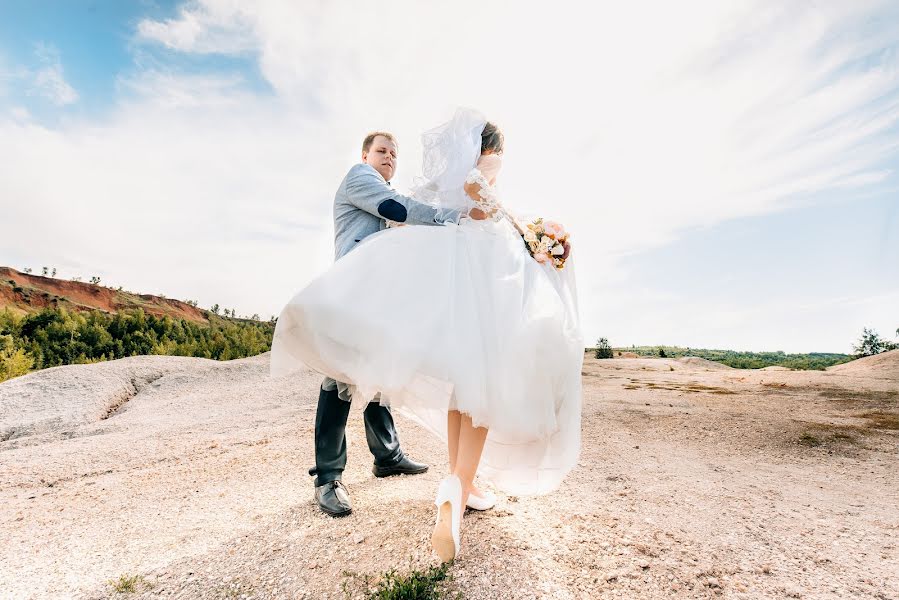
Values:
[(48, 80), (630, 123), (44, 78), (208, 26), (172, 91)]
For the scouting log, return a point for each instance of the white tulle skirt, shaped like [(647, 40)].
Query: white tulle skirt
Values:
[(452, 317)]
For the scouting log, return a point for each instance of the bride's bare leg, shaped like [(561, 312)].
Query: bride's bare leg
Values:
[(468, 454), (453, 427), (465, 445), (453, 424)]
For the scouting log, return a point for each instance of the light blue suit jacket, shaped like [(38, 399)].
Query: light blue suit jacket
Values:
[(364, 202)]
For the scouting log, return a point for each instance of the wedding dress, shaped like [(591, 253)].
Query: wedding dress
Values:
[(457, 316)]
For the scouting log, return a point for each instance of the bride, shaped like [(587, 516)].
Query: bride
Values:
[(489, 353)]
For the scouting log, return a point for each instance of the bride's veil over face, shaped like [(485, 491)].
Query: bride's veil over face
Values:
[(450, 152)]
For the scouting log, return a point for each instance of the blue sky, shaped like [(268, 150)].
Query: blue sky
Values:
[(93, 38), (802, 268), (97, 47), (727, 169)]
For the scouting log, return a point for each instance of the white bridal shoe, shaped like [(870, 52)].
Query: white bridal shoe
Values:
[(445, 538), (485, 502)]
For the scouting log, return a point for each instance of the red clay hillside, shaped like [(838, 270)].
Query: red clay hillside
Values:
[(24, 293)]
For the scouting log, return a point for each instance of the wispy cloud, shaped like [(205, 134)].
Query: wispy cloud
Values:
[(170, 90), (705, 112), (48, 80), (43, 77)]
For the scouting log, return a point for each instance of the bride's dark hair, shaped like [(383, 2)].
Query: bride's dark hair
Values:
[(491, 138)]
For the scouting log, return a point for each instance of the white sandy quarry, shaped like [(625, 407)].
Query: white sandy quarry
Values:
[(695, 481)]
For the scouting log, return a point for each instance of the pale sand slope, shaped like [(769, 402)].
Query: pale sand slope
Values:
[(694, 482)]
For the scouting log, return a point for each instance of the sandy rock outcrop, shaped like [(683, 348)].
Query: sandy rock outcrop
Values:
[(188, 478), (883, 365)]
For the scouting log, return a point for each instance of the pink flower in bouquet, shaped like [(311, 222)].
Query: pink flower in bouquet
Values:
[(542, 257), (554, 230)]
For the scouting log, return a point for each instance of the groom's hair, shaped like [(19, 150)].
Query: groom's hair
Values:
[(492, 138), (370, 138)]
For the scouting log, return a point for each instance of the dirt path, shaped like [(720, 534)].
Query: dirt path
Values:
[(694, 481)]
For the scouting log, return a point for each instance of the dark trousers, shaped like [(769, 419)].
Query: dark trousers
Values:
[(330, 436)]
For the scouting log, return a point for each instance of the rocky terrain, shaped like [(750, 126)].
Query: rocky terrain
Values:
[(188, 476)]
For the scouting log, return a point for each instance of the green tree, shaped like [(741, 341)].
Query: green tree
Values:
[(55, 337), (871, 343), (603, 350), (662, 353), (13, 361), (215, 309), (44, 271)]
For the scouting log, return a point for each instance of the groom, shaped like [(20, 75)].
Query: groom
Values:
[(363, 204)]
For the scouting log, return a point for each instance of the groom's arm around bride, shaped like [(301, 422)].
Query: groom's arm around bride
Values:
[(365, 200)]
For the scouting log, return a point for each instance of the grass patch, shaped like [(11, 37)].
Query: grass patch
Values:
[(809, 440), (127, 584), (855, 397), (673, 386), (882, 420), (832, 436), (427, 584), (696, 387)]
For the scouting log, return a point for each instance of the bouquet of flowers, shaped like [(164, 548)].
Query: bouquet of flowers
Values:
[(547, 242)]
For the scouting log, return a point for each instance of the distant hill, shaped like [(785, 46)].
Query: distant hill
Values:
[(48, 322), (23, 293), (740, 360)]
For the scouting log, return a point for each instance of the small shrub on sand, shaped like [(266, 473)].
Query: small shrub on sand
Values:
[(127, 584), (416, 585), (603, 350), (807, 439)]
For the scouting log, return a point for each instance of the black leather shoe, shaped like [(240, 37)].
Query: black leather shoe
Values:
[(333, 499), (405, 466)]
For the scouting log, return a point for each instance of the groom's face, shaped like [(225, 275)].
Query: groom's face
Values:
[(382, 156)]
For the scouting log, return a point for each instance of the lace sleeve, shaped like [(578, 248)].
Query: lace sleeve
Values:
[(487, 193)]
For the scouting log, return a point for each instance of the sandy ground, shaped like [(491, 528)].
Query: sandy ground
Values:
[(695, 481)]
